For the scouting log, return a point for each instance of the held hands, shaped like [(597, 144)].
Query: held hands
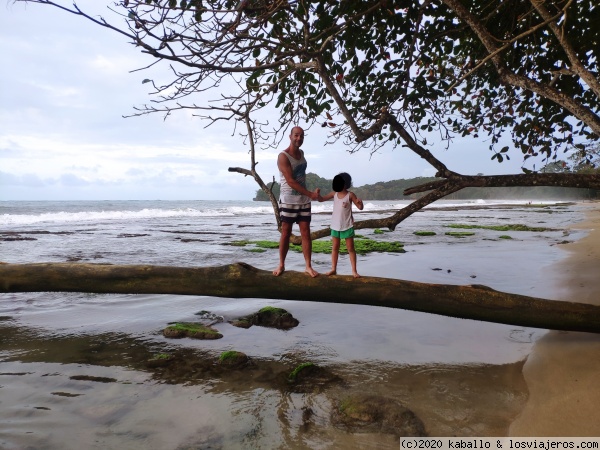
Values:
[(316, 195)]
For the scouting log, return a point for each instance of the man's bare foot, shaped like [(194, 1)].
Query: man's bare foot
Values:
[(312, 272), (279, 271), (331, 272), (355, 275)]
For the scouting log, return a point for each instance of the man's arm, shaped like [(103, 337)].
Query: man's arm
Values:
[(286, 169)]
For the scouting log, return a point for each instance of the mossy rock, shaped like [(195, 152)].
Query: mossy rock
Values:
[(425, 233), (459, 234), (309, 377), (377, 414), (191, 330), (302, 370), (361, 245), (233, 359), (255, 250), (364, 246), (266, 244), (242, 322), (160, 360), (509, 227), (237, 243), (505, 236), (269, 316)]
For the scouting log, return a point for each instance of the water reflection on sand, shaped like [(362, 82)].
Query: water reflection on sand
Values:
[(57, 394)]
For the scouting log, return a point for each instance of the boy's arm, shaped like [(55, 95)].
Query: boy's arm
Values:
[(327, 196), (357, 201)]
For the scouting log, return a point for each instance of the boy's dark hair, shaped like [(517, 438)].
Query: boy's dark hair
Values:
[(340, 181)]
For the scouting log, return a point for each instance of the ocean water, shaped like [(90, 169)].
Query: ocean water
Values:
[(448, 371)]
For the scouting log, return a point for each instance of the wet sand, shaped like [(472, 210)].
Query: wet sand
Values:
[(562, 372)]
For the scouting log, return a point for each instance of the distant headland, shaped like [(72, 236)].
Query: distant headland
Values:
[(393, 190)]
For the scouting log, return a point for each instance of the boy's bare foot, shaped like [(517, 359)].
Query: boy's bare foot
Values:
[(355, 275), (312, 272), (279, 271), (331, 272)]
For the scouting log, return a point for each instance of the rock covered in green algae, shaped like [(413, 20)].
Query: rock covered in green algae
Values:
[(375, 413), (309, 377), (160, 360), (268, 316), (192, 330), (301, 371), (233, 359), (362, 245)]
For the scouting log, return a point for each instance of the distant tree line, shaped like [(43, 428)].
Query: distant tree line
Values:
[(393, 190)]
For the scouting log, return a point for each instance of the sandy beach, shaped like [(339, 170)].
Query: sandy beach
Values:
[(562, 370)]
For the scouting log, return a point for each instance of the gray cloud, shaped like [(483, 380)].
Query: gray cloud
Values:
[(69, 179), (27, 180)]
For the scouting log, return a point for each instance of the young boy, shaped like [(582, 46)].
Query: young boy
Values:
[(342, 222)]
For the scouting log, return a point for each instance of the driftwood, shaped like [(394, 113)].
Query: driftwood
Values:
[(244, 281)]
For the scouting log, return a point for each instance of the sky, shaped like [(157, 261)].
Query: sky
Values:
[(65, 85)]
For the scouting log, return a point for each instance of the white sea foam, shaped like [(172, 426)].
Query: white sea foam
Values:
[(126, 215), (217, 209)]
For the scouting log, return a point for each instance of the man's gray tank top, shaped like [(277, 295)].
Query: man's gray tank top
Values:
[(287, 194)]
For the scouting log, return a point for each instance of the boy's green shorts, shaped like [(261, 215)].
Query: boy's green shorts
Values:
[(349, 233)]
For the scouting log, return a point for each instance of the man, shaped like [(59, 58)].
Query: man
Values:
[(294, 201)]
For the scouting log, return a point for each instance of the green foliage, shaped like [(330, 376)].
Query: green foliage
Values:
[(394, 190), (389, 190), (556, 167), (586, 159)]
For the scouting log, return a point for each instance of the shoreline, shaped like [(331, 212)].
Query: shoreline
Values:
[(562, 369)]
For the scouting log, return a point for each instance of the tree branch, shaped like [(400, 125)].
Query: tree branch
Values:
[(569, 103), (565, 180), (243, 281), (576, 66)]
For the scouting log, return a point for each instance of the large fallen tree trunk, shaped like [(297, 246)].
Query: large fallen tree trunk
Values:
[(243, 281)]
